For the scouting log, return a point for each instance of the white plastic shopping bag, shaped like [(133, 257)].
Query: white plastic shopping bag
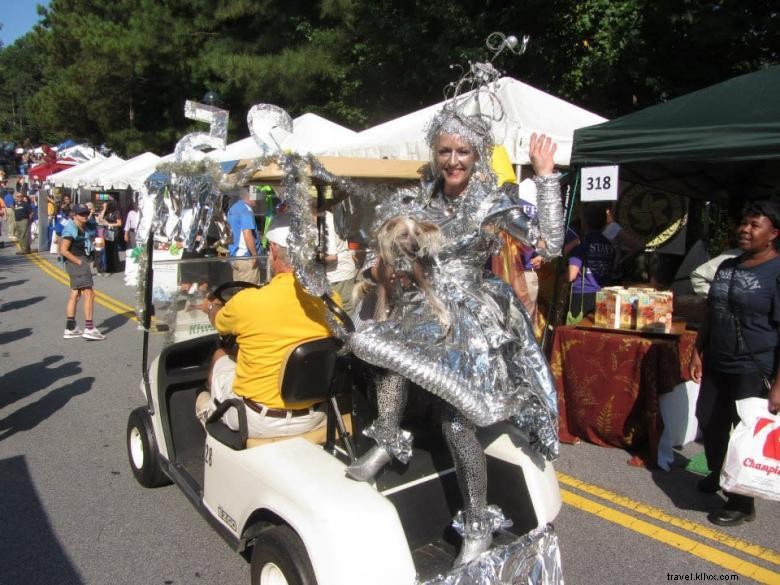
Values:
[(752, 465)]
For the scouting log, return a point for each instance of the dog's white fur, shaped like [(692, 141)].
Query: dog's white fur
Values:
[(411, 245)]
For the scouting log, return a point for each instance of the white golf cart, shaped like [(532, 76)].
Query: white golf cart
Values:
[(287, 506)]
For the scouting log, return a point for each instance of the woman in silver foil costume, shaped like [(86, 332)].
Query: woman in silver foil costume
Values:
[(486, 364)]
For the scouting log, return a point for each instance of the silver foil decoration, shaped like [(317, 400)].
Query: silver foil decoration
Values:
[(185, 198), (303, 242), (398, 442), (533, 559), (492, 519), (270, 126), (216, 118)]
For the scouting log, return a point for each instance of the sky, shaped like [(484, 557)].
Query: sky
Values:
[(17, 18)]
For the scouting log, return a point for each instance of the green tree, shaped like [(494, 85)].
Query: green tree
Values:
[(21, 73), (290, 53), (119, 71)]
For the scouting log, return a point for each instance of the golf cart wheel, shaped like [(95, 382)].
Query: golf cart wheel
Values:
[(142, 450), (279, 557)]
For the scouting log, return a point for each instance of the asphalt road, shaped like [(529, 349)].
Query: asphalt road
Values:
[(72, 513)]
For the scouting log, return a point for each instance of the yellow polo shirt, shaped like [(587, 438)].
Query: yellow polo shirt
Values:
[(268, 322)]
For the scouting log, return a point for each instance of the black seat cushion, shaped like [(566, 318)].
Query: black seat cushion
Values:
[(308, 373)]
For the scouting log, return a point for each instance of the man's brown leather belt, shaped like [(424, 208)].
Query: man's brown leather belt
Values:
[(273, 412)]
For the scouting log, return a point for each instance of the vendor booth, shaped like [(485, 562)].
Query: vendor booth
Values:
[(43, 170), (711, 145), (85, 175), (724, 138)]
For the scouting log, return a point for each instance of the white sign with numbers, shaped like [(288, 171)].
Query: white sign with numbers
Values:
[(599, 183)]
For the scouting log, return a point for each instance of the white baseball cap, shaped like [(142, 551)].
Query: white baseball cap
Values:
[(279, 230)]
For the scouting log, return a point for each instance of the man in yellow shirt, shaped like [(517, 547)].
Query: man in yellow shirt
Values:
[(267, 323)]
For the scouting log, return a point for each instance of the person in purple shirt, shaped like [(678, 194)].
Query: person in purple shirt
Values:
[(591, 262)]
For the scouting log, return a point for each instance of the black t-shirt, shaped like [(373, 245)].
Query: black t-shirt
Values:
[(22, 210), (755, 301)]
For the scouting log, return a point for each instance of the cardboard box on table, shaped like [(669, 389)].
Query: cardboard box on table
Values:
[(641, 309)]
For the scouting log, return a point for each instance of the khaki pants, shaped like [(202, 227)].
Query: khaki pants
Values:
[(246, 270), (23, 234), (10, 223), (344, 288)]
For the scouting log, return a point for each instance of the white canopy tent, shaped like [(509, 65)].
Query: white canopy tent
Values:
[(525, 110), (131, 174), (80, 152), (63, 178), (86, 174), (311, 133)]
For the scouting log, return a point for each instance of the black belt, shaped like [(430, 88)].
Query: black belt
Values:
[(273, 412)]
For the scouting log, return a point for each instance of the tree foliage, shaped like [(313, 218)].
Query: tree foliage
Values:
[(119, 71)]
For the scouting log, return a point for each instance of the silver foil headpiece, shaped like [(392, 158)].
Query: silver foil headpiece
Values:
[(471, 104)]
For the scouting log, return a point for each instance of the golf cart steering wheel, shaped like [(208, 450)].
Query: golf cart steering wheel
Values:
[(217, 293), (228, 342)]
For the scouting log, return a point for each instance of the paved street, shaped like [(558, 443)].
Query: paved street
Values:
[(72, 513)]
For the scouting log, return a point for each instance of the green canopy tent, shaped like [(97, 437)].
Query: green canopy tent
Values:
[(718, 141)]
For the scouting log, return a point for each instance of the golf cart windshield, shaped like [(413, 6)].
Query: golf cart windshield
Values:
[(181, 282)]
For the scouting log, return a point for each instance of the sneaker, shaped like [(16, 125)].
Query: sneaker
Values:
[(72, 333), (93, 334)]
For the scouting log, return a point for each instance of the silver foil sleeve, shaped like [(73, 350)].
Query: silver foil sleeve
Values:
[(549, 215)]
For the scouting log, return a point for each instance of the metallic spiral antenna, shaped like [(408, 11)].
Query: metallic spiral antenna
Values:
[(498, 42)]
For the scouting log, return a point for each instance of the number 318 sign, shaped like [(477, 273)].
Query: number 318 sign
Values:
[(599, 183)]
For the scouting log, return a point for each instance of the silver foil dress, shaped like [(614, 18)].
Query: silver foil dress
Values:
[(487, 364)]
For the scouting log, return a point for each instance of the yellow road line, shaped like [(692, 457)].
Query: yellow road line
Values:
[(101, 295), (678, 541), (101, 298), (658, 514)]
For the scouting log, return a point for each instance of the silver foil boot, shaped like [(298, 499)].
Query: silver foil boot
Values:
[(367, 466), (473, 546)]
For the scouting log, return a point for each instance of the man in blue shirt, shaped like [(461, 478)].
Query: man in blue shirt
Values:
[(244, 229)]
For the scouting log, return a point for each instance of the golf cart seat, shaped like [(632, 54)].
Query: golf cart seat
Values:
[(308, 373)]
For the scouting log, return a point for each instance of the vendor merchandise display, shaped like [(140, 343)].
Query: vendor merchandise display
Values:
[(640, 309)]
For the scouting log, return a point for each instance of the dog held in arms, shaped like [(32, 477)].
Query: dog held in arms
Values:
[(407, 250)]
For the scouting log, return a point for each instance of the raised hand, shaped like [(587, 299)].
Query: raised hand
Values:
[(541, 151)]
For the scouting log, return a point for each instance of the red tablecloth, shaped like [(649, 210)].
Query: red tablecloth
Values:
[(608, 385)]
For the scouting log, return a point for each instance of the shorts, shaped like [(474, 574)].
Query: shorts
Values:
[(80, 275), (260, 425)]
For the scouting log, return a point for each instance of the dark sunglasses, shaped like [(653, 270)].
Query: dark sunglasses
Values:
[(83, 214)]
